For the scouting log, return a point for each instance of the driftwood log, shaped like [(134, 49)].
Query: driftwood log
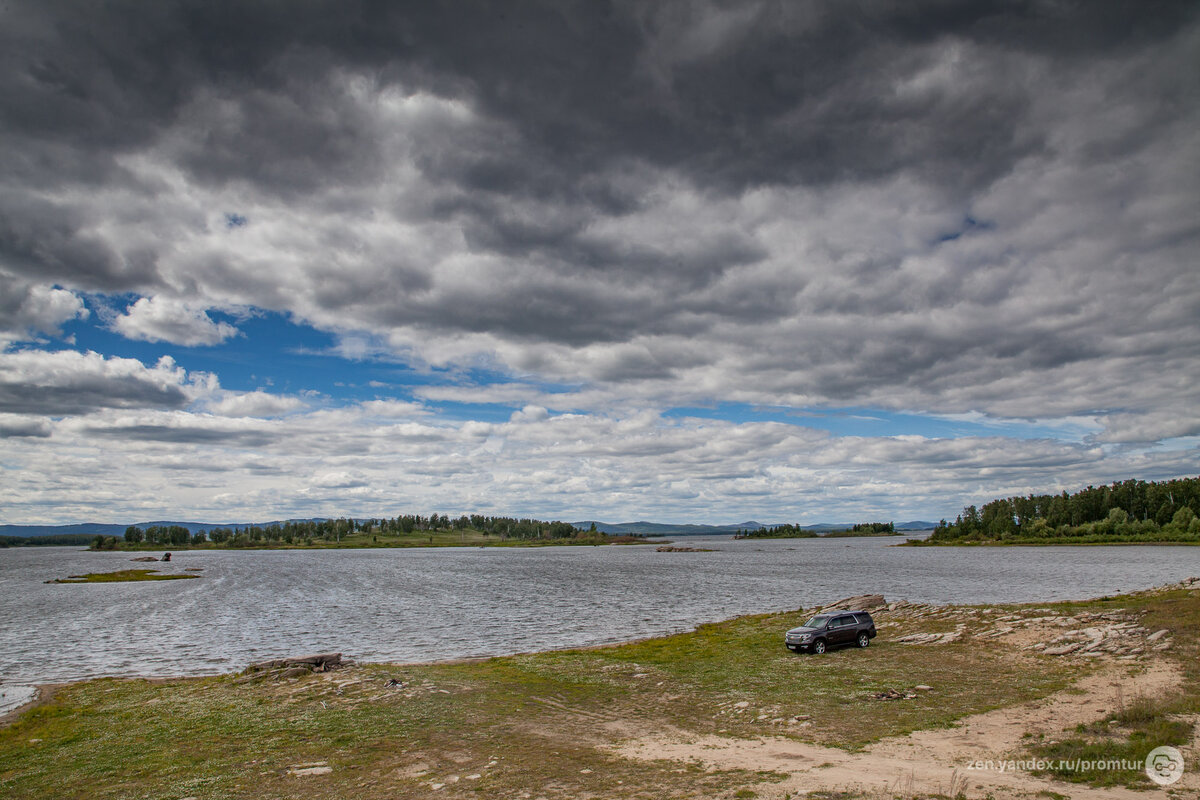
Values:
[(279, 668)]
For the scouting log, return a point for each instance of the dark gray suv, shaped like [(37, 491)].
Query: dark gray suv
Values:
[(831, 629)]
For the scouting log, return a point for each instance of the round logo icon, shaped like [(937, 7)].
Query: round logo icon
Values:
[(1164, 765)]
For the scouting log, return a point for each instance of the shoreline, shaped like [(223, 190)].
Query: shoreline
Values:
[(710, 712), (47, 690), (1055, 543)]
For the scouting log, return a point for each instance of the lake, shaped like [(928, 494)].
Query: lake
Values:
[(427, 604)]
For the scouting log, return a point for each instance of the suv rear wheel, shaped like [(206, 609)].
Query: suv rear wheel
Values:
[(863, 639)]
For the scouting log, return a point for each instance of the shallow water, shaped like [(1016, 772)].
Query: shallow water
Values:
[(428, 604)]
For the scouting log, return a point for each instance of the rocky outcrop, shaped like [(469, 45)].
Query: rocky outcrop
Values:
[(280, 668), (1110, 633), (859, 602)]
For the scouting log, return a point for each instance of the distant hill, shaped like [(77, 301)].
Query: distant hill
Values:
[(617, 528), (105, 529)]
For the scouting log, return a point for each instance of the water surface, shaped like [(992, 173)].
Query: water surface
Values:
[(427, 604)]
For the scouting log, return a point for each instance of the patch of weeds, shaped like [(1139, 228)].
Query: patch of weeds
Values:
[(1123, 738)]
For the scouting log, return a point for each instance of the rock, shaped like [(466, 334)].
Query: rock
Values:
[(293, 672), (315, 768), (1154, 637), (859, 602), (742, 704), (1063, 649), (666, 548), (923, 688), (144, 558)]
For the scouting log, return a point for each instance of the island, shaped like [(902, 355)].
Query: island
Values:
[(412, 530), (797, 532)]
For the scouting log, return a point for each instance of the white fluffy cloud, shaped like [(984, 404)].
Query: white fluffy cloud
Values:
[(28, 309), (66, 382), (578, 466), (160, 319)]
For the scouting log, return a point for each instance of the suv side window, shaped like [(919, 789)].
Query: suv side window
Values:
[(863, 619), (842, 621)]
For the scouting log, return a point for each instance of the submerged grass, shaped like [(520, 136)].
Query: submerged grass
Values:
[(121, 576), (539, 724)]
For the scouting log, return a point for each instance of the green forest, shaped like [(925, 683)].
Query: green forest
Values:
[(1127, 511), (409, 530)]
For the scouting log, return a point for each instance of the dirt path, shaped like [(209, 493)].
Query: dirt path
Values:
[(933, 761)]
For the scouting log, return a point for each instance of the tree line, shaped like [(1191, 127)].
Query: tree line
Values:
[(334, 530), (52, 540), (1131, 510)]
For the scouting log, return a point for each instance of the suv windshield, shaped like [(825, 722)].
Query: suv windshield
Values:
[(817, 622)]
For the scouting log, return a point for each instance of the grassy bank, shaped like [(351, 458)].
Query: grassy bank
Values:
[(1036, 541), (531, 725)]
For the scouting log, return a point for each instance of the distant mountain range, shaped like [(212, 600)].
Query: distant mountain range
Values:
[(105, 529), (650, 528)]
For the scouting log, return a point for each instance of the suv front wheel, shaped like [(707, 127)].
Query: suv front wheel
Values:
[(818, 647)]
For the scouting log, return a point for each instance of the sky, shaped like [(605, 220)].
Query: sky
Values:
[(677, 261)]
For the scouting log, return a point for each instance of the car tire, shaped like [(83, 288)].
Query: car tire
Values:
[(818, 647), (863, 639)]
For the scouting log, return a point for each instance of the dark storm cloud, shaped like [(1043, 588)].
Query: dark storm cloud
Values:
[(734, 95), (939, 205), (183, 435)]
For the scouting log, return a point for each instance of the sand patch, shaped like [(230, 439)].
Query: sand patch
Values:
[(931, 761)]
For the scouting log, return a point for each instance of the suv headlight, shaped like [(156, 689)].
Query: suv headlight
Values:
[(805, 637)]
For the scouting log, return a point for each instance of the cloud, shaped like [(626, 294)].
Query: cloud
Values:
[(67, 382), (336, 461), (27, 309), (254, 404), (159, 319), (21, 425), (622, 208)]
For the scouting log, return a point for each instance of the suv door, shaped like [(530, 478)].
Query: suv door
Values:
[(842, 629)]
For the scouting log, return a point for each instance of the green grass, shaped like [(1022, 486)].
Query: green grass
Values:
[(121, 576), (522, 723)]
